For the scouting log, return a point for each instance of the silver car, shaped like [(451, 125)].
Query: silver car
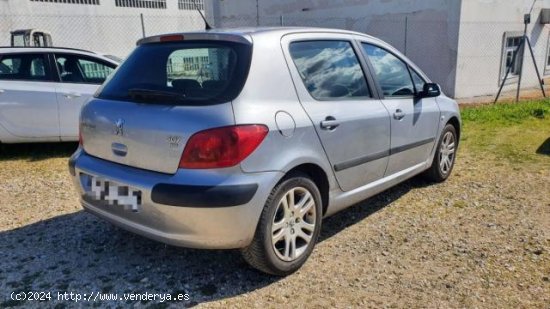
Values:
[(248, 138)]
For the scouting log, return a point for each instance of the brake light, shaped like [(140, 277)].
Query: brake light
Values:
[(171, 38), (222, 147)]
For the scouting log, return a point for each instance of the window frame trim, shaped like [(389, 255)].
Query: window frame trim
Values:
[(546, 71), (502, 70)]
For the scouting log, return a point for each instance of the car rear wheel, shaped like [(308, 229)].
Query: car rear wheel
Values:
[(288, 228), (445, 155)]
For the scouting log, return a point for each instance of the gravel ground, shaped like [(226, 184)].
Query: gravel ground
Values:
[(482, 239)]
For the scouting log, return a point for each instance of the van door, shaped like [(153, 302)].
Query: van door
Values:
[(352, 124)]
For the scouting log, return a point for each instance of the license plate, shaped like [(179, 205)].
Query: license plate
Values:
[(112, 193)]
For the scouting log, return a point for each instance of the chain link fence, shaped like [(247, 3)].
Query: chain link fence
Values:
[(466, 58), (116, 35)]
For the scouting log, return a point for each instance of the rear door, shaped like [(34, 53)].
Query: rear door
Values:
[(79, 76), (28, 104), (414, 121), (352, 124)]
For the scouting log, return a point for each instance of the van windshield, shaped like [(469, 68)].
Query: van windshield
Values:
[(181, 73)]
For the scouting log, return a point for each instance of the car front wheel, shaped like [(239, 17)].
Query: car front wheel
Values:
[(445, 155)]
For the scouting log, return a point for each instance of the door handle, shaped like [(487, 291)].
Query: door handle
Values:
[(399, 114), (72, 95), (330, 123)]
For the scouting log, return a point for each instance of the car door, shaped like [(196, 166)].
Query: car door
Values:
[(414, 120), (28, 104), (79, 77), (352, 124)]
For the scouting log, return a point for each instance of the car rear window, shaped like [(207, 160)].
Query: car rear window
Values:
[(181, 73)]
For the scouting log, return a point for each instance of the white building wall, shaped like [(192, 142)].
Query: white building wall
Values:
[(483, 25), (425, 30), (105, 27)]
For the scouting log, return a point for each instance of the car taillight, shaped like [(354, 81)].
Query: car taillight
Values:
[(222, 147)]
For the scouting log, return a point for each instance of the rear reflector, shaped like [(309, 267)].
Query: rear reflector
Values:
[(222, 147), (171, 38)]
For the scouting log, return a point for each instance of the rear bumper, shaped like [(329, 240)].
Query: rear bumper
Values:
[(209, 209)]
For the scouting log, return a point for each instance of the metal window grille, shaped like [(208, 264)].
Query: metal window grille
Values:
[(189, 5), (145, 4), (86, 2)]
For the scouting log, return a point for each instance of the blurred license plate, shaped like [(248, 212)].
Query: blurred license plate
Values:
[(112, 193)]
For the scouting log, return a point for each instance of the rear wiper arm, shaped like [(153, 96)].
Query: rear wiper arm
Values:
[(148, 94)]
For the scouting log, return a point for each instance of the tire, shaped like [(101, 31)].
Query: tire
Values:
[(446, 148), (284, 224)]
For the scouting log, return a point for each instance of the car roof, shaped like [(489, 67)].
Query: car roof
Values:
[(249, 32), (23, 49), (52, 49)]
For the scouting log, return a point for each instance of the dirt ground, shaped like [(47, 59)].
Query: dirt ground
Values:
[(479, 240)]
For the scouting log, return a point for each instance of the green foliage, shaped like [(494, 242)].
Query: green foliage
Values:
[(517, 132)]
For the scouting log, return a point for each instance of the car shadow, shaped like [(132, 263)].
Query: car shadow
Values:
[(544, 149), (36, 151), (78, 252)]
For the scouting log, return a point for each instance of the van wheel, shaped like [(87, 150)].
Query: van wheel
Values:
[(288, 228), (445, 155)]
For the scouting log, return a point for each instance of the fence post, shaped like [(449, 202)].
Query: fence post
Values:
[(406, 34), (282, 20), (142, 25)]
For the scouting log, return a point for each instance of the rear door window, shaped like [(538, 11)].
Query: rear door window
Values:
[(330, 70), (30, 67), (181, 73)]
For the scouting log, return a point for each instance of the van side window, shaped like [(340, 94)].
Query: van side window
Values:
[(392, 73), (329, 69)]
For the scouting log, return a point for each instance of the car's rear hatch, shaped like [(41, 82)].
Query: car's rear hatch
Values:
[(146, 136), (160, 96)]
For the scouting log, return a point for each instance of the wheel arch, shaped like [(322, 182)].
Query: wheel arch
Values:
[(456, 124), (319, 177)]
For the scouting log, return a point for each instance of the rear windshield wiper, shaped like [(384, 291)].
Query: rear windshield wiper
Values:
[(152, 96)]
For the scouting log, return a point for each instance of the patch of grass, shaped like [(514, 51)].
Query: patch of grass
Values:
[(460, 204), (517, 132), (507, 114)]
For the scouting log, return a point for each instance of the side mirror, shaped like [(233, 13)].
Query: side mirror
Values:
[(431, 90)]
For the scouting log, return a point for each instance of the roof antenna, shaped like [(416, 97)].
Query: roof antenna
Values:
[(206, 24)]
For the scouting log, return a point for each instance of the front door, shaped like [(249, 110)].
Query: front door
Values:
[(353, 126), (414, 121)]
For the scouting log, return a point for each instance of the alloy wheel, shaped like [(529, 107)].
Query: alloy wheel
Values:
[(293, 224)]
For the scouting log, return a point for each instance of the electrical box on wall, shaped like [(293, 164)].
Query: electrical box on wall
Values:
[(545, 16)]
